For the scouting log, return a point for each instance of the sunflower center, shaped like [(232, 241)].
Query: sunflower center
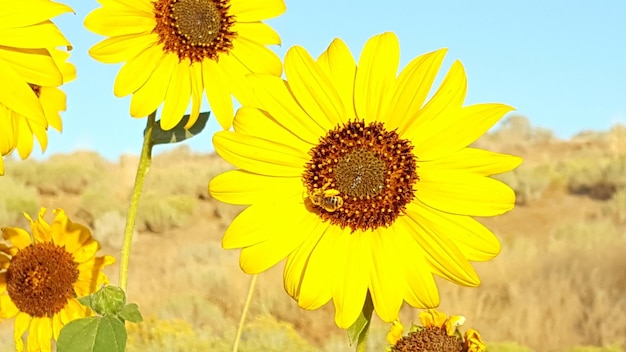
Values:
[(360, 173), (194, 29), (40, 279), (360, 176), (36, 89), (429, 339)]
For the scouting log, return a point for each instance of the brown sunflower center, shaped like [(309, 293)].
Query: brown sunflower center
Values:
[(40, 279), (35, 88), (429, 339), (194, 29), (361, 176)]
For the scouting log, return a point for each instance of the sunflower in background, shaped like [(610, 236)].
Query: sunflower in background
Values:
[(177, 49), (43, 274), (359, 182), (30, 73)]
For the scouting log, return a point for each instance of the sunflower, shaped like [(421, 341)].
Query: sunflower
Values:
[(18, 130), (42, 275), (175, 49), (438, 332), (26, 65), (359, 183)]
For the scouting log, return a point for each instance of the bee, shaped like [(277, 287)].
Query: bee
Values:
[(328, 199)]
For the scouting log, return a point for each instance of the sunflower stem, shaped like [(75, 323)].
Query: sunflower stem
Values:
[(142, 169), (368, 309), (246, 307)]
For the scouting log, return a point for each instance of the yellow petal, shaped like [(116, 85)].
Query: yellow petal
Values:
[(42, 35), (476, 161), (39, 335), (445, 259), (306, 269), (252, 11), (275, 97), (259, 155), (375, 76), (259, 222), (7, 307), (419, 287), (475, 241), (35, 66), (197, 88), (122, 48), (22, 323), (241, 187), (52, 101), (338, 64), (17, 95), (312, 88), (412, 88), (457, 129), (177, 96), (18, 237), (386, 276), (433, 318), (148, 98), (460, 192), (25, 140), (351, 278), (25, 13), (113, 22), (217, 87), (255, 122), (256, 31), (256, 57), (134, 74), (445, 103)]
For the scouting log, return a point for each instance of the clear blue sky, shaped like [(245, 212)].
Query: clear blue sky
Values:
[(560, 63)]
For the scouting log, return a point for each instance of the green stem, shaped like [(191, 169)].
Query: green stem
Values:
[(368, 309), (246, 307), (142, 169)]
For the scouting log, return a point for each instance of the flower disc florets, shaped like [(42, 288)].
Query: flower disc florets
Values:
[(371, 169), (40, 279), (194, 29)]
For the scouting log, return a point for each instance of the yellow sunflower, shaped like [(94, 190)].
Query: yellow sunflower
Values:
[(438, 332), (361, 183), (176, 49), (18, 130), (26, 65), (42, 275)]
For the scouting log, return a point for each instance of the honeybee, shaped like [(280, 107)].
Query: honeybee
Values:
[(328, 199)]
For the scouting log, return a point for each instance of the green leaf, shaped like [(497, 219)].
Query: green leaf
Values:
[(357, 332), (131, 313), (108, 300), (179, 133), (93, 334)]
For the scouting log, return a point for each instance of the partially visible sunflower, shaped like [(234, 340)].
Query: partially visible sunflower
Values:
[(26, 64), (177, 49), (438, 333), (361, 183), (18, 130), (41, 276)]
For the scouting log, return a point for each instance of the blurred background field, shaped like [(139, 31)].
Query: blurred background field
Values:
[(558, 284)]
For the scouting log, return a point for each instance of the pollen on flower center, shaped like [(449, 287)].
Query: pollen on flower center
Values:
[(429, 339), (194, 29), (364, 175), (40, 279)]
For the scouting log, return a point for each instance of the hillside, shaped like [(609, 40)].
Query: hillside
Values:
[(558, 283)]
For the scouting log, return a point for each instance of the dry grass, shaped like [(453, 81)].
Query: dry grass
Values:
[(557, 284)]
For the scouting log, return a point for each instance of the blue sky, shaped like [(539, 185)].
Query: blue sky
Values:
[(560, 63)]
